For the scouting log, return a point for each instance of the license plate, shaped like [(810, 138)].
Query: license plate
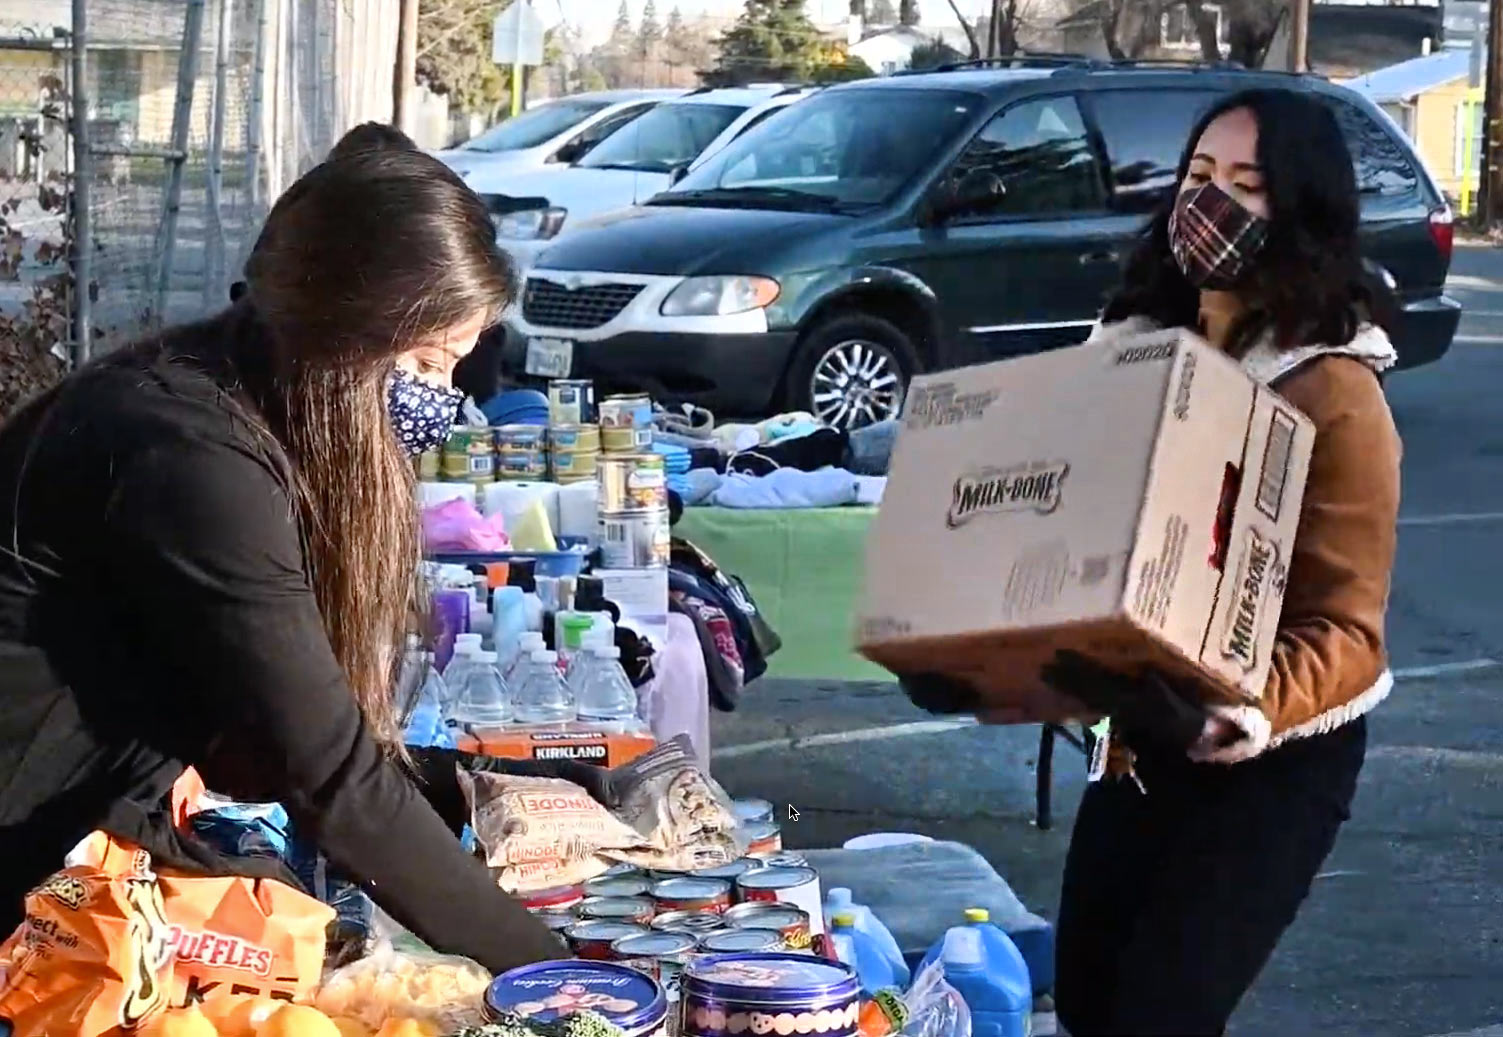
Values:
[(549, 357)]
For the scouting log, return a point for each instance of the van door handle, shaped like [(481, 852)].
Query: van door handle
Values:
[(1105, 255)]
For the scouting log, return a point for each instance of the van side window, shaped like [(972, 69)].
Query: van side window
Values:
[(1145, 136), (1042, 157), (1381, 163), (580, 146)]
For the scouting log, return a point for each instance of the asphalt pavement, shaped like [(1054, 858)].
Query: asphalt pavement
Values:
[(1403, 933)]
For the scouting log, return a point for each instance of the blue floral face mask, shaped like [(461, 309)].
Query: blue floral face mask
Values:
[(422, 414)]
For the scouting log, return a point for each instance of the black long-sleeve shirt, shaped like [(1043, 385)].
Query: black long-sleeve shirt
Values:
[(156, 612)]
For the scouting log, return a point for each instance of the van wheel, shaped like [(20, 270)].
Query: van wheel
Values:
[(852, 370)]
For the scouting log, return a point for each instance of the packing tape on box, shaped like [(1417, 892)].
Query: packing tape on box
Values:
[(578, 509), (432, 494), (511, 499)]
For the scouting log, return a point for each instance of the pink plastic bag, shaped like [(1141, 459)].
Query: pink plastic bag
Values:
[(456, 526)]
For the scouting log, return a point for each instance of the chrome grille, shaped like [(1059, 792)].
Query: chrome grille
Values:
[(548, 304)]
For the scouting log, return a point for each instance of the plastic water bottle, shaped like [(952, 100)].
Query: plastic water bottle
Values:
[(860, 952), (426, 727), (604, 693), (482, 700), (457, 672), (839, 900), (543, 697), (531, 641), (984, 966)]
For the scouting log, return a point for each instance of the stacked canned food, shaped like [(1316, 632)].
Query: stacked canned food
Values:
[(657, 921), (634, 532), (574, 435)]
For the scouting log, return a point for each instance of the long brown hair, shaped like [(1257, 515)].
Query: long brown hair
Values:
[(365, 256)]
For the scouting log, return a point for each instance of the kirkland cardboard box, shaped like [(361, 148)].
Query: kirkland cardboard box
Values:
[(1136, 502)]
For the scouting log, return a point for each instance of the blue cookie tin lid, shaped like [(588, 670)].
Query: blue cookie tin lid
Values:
[(771, 976), (549, 990)]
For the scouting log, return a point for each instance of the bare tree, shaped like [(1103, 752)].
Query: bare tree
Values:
[(970, 33)]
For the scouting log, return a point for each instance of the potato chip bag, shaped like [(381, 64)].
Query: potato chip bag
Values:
[(94, 955)]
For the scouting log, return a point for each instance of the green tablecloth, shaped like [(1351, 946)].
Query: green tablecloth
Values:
[(805, 569)]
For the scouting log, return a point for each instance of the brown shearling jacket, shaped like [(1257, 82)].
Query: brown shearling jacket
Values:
[(1329, 663)]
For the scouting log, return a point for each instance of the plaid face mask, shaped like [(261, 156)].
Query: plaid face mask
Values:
[(1214, 238)]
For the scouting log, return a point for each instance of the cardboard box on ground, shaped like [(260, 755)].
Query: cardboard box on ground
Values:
[(1136, 502)]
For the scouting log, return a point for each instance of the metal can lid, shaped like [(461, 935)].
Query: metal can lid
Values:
[(784, 859), (777, 878), (557, 921), (558, 896), (766, 916), (629, 885), (615, 907), (654, 944), (688, 921), (689, 888), (756, 831), (597, 930), (729, 871), (747, 810), (633, 1000), (741, 941), (776, 977)]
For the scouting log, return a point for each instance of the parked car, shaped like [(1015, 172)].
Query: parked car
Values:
[(821, 260), (630, 166), (550, 135)]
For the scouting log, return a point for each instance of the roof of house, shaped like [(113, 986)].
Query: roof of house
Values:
[(915, 36), (1409, 79)]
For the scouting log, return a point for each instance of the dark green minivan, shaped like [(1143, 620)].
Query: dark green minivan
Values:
[(890, 226)]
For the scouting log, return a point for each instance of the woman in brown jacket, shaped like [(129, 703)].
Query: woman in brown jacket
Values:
[(1193, 854)]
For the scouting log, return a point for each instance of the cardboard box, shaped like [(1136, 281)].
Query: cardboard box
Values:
[(573, 741), (1135, 502)]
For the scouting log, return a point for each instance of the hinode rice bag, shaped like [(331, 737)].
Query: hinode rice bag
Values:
[(539, 833)]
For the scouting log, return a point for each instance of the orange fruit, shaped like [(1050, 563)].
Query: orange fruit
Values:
[(407, 1028), (298, 1021), (245, 1016), (351, 1027)]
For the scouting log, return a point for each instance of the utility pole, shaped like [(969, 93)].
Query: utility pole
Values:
[(404, 76), (1299, 35), (1490, 183)]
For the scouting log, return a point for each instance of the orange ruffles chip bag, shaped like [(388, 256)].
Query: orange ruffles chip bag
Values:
[(108, 943), (94, 955)]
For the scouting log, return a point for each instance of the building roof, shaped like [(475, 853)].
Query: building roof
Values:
[(1409, 79)]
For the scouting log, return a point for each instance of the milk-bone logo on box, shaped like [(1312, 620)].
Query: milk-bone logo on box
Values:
[(1259, 571), (221, 951), (1035, 486)]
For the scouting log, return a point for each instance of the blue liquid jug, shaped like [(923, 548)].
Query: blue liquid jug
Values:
[(984, 966)]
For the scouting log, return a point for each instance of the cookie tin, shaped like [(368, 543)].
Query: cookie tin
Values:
[(547, 991), (734, 994)]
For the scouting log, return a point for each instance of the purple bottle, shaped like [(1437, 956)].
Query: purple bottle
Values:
[(451, 615)]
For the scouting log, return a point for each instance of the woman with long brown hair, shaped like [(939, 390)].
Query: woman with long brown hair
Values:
[(208, 548)]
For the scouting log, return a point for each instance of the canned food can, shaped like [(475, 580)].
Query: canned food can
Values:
[(691, 894), (661, 955), (695, 923), (753, 811), (636, 909), (521, 465), (741, 941), (468, 456), (521, 437), (789, 922), (547, 991), (429, 465), (629, 884), (778, 993), (784, 859), (730, 872), (557, 921), (569, 438), (631, 410), (558, 898), (571, 401), (625, 439), (634, 539), (621, 869), (576, 465), (633, 482), (763, 837), (796, 886), (592, 939)]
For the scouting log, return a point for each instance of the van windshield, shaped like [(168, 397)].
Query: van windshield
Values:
[(848, 148), (668, 136), (535, 126)]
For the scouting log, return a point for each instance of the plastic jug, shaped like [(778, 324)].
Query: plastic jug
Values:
[(858, 950), (838, 900), (984, 966)]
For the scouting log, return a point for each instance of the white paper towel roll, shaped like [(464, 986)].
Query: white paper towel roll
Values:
[(578, 507), (510, 499), (432, 494)]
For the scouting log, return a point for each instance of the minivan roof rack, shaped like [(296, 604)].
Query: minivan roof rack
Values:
[(1020, 59)]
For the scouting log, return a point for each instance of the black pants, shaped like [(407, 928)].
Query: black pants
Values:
[(1174, 900)]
